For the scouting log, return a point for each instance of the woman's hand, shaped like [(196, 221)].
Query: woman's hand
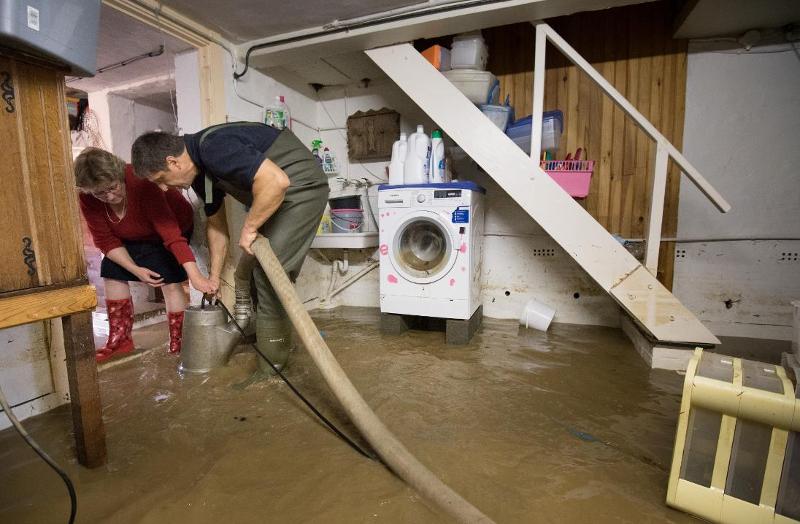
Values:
[(203, 284), (151, 278)]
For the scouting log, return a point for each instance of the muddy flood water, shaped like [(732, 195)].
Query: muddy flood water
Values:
[(567, 426)]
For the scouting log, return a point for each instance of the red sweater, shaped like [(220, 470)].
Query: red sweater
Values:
[(152, 215)]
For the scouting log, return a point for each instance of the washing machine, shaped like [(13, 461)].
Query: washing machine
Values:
[(431, 249)]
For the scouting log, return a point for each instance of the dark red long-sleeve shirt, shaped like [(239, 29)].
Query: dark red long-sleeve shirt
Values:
[(152, 215)]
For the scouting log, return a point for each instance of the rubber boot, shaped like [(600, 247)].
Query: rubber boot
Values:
[(175, 319), (120, 327), (273, 339)]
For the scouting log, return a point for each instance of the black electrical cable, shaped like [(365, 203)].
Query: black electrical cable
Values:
[(39, 451), (360, 25), (296, 392)]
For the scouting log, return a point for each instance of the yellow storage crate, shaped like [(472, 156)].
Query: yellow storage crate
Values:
[(737, 452)]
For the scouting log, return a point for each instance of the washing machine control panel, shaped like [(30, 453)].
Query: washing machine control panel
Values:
[(422, 197)]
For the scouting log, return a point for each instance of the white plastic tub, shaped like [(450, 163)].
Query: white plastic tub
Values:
[(469, 51), (537, 315), (476, 85)]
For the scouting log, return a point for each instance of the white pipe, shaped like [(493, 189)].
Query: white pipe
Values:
[(353, 279), (416, 8)]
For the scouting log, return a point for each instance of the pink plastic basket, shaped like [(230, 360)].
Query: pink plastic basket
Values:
[(574, 176)]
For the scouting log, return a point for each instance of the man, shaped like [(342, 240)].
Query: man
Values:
[(268, 170)]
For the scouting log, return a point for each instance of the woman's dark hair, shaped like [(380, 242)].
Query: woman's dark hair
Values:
[(150, 151)]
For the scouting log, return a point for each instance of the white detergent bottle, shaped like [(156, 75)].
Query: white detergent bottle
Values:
[(415, 170), (437, 168), (276, 114), (396, 166)]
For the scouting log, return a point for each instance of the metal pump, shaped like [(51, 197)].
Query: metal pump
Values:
[(209, 337)]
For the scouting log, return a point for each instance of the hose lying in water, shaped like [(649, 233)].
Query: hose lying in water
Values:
[(391, 450)]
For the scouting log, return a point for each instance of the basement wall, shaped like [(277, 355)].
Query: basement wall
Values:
[(741, 132), (520, 262)]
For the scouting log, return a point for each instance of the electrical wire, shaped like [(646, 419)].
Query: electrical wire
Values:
[(310, 406), (44, 456)]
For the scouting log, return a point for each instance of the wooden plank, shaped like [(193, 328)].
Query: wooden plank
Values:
[(44, 305), (67, 262), (37, 160), (642, 162), (84, 391), (620, 37), (601, 180), (14, 210), (70, 228), (631, 131)]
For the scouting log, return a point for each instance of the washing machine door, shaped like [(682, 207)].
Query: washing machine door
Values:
[(424, 249)]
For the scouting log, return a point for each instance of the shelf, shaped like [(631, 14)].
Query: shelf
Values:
[(345, 240)]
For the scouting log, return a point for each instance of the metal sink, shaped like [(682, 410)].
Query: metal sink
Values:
[(346, 240)]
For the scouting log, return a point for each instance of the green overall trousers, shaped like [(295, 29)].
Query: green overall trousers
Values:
[(290, 231)]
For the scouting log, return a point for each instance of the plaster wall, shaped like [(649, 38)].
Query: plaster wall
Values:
[(741, 129)]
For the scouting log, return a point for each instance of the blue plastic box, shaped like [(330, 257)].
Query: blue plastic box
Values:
[(552, 127)]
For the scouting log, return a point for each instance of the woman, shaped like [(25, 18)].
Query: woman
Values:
[(138, 227)]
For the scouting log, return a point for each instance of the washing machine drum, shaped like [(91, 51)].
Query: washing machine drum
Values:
[(423, 249)]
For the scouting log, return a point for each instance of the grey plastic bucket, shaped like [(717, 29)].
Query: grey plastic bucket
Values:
[(347, 220)]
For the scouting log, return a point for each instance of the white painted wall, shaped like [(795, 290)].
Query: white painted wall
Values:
[(130, 119), (741, 131)]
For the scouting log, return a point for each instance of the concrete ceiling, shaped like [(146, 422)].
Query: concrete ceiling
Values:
[(719, 18), (121, 38), (244, 20)]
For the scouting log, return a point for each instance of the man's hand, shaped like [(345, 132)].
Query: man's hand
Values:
[(151, 278), (247, 238)]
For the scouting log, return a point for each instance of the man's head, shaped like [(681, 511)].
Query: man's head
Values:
[(162, 158)]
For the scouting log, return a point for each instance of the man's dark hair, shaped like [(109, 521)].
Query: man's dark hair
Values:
[(150, 151)]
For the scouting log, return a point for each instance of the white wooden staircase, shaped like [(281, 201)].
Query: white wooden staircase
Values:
[(657, 313)]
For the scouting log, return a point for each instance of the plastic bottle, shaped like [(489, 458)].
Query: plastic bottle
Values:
[(276, 114), (316, 145), (437, 168), (329, 165), (396, 166), (415, 170)]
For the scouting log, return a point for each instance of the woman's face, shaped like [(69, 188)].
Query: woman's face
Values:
[(110, 194)]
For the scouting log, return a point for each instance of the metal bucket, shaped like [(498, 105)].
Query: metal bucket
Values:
[(208, 339)]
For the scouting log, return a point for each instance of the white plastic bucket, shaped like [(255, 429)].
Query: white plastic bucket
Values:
[(537, 315), (347, 220)]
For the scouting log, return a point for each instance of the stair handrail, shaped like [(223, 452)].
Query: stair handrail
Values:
[(664, 148)]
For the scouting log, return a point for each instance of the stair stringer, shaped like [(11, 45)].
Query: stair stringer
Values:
[(614, 269)]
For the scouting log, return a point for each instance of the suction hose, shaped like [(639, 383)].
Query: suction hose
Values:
[(391, 450)]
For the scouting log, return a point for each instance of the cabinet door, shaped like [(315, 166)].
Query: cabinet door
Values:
[(17, 238), (40, 233)]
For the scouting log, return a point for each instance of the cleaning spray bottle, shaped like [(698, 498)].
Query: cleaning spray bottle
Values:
[(437, 163), (396, 166), (276, 114), (415, 170)]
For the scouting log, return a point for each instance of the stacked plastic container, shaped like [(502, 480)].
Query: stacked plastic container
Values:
[(468, 58)]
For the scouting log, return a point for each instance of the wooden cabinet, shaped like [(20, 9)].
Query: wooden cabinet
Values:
[(42, 268), (40, 239)]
